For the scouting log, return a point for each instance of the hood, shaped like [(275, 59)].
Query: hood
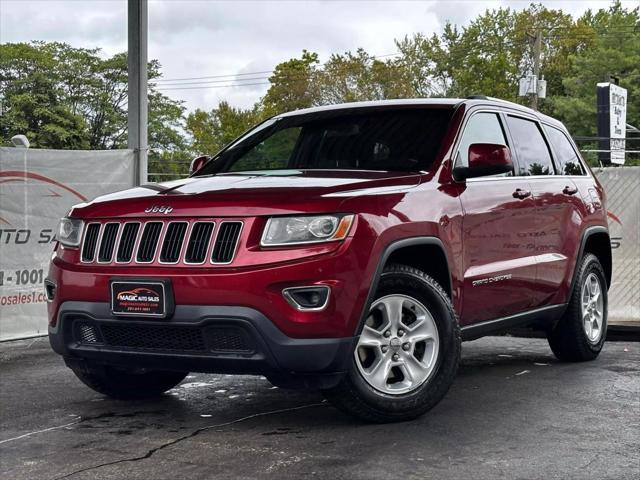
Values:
[(249, 193)]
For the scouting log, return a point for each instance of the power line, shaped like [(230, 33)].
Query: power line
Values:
[(213, 76), (232, 76), (199, 82), (216, 86)]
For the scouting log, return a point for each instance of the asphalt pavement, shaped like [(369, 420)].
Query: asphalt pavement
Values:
[(514, 412)]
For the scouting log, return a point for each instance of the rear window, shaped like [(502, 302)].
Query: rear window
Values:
[(391, 140), (531, 148)]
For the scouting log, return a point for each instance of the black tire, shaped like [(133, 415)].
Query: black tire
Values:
[(127, 385), (568, 339), (355, 396)]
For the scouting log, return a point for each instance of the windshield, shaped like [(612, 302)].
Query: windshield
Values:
[(391, 140)]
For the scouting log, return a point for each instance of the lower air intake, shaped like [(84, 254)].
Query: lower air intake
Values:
[(139, 337)]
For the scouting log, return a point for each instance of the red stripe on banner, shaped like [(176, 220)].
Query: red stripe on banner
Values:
[(42, 178), (614, 217)]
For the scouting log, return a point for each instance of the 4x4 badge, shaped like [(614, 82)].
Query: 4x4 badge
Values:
[(157, 209)]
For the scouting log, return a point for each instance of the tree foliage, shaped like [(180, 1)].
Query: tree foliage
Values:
[(214, 129), (66, 97), (613, 50)]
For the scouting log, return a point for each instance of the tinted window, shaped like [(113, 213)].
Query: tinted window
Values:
[(481, 128), (389, 139), (566, 157), (533, 154), (272, 153)]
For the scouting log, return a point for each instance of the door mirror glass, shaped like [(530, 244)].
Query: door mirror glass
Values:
[(197, 163), (485, 159)]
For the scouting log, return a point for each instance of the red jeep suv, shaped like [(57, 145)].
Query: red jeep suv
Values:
[(348, 248)]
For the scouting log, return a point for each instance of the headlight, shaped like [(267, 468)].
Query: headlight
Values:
[(305, 229), (70, 231)]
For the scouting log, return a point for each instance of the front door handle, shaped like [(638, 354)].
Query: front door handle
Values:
[(568, 190), (521, 193)]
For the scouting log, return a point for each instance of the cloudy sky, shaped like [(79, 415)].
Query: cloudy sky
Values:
[(228, 40)]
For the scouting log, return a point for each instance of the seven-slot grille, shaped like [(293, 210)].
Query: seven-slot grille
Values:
[(168, 242)]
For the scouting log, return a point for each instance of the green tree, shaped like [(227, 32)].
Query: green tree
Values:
[(33, 100), (71, 98), (213, 130), (292, 86), (491, 54), (613, 51), (352, 77)]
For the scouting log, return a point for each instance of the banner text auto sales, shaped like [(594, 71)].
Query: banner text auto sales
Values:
[(23, 236)]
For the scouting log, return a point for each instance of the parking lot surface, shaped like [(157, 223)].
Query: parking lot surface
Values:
[(514, 412)]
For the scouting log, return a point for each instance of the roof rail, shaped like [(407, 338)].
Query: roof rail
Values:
[(478, 97)]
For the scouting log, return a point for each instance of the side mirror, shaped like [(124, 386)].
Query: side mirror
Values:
[(485, 159), (197, 163)]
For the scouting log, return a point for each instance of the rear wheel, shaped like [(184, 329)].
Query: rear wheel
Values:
[(581, 332), (124, 384), (407, 353)]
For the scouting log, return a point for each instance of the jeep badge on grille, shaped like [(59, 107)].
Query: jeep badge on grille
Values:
[(156, 209)]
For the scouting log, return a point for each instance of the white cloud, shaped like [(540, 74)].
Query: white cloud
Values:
[(193, 38)]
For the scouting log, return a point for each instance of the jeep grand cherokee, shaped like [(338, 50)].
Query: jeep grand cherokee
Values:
[(347, 248)]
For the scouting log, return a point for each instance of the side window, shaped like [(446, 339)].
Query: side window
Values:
[(532, 150), (481, 128), (566, 156), (271, 154)]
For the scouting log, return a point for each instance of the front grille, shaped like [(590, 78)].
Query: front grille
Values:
[(178, 338), (149, 242), (173, 239), (189, 242), (90, 242), (108, 242), (199, 242), (127, 242), (226, 242)]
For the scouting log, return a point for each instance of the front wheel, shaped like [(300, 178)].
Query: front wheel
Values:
[(128, 385), (581, 332), (407, 354)]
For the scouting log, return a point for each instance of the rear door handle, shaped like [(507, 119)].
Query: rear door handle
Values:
[(521, 193), (568, 190)]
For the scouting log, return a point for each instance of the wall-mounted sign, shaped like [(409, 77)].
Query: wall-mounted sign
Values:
[(612, 122)]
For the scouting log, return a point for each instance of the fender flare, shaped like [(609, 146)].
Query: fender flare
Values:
[(386, 253), (588, 232)]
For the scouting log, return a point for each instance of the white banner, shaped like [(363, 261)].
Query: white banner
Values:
[(37, 187), (622, 185)]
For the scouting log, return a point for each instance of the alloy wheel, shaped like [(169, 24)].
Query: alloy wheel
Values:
[(398, 346), (592, 308)]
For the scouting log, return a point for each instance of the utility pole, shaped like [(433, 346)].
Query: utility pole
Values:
[(537, 47), (137, 75)]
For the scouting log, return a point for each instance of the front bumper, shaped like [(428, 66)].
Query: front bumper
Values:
[(197, 338), (258, 287)]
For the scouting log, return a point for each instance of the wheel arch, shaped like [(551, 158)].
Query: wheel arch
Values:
[(425, 253), (595, 240)]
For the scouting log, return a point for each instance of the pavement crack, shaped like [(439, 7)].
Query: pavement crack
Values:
[(197, 431), (78, 420), (35, 432)]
